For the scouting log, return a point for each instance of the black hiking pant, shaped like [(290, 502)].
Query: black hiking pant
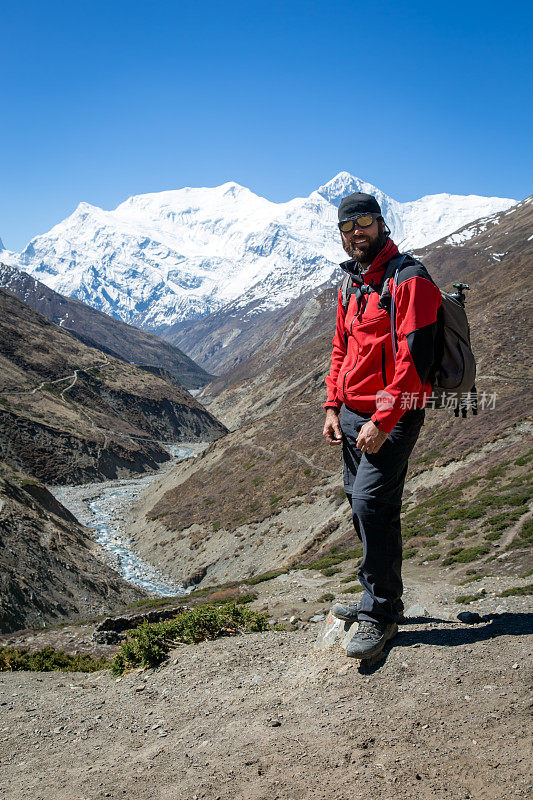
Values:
[(374, 485)]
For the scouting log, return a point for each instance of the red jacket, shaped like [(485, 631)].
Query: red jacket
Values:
[(362, 361)]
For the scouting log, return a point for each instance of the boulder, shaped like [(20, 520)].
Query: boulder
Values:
[(334, 632)]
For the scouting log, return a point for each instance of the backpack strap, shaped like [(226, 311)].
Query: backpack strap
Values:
[(386, 299), (354, 284), (346, 290), (393, 267), (351, 284)]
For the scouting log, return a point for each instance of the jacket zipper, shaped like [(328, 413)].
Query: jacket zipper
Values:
[(383, 371), (346, 373)]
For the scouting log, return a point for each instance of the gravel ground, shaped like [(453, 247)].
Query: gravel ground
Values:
[(268, 717)]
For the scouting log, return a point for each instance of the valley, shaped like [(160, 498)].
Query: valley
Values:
[(257, 520)]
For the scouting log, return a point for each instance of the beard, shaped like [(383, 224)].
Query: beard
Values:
[(367, 253)]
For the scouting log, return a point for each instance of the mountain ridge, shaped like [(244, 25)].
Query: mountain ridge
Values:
[(163, 258)]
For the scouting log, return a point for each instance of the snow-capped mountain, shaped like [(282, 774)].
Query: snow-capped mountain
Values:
[(165, 257)]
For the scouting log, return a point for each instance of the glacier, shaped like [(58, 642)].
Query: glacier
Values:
[(166, 257)]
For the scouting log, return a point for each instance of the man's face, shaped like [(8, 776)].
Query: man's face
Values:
[(364, 244)]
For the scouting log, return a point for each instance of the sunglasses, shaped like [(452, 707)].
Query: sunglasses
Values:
[(362, 221)]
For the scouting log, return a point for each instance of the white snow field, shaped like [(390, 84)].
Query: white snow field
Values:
[(165, 257)]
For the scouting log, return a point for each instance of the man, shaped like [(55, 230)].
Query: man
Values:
[(383, 383)]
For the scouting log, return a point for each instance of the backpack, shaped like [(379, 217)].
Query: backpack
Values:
[(453, 372)]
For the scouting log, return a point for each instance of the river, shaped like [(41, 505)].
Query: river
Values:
[(103, 508)]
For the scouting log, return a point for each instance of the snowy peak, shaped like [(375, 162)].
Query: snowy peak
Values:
[(343, 184), (165, 257)]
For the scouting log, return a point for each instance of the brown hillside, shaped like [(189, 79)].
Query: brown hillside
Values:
[(71, 413), (51, 570), (97, 329)]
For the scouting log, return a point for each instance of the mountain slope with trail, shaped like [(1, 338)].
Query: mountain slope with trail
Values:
[(99, 330), (72, 414), (444, 714)]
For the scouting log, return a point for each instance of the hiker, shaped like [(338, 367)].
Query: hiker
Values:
[(381, 383)]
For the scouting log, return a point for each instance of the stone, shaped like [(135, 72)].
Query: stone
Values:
[(416, 610), (333, 631), (469, 617), (107, 637)]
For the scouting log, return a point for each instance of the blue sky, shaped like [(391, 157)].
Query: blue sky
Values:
[(102, 100)]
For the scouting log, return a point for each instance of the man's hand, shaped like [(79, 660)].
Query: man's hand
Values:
[(370, 438), (332, 429)]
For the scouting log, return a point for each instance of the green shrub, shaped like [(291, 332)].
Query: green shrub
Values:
[(455, 532), (332, 559), (354, 589), (467, 598), (472, 511), (496, 471), (148, 645), (410, 552), (47, 660), (329, 571), (518, 498), (265, 576), (518, 590), (526, 532), (326, 598), (245, 598), (463, 555), (431, 557)]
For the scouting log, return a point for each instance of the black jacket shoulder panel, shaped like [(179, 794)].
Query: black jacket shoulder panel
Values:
[(413, 269)]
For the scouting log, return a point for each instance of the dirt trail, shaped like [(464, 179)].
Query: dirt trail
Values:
[(73, 377), (267, 717)]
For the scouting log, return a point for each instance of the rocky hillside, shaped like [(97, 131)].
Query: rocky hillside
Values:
[(222, 340), (270, 489), (71, 413), (97, 329), (50, 569)]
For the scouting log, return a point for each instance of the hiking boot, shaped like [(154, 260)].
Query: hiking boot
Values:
[(348, 613), (370, 639)]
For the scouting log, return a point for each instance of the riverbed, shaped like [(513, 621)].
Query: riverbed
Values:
[(103, 508)]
